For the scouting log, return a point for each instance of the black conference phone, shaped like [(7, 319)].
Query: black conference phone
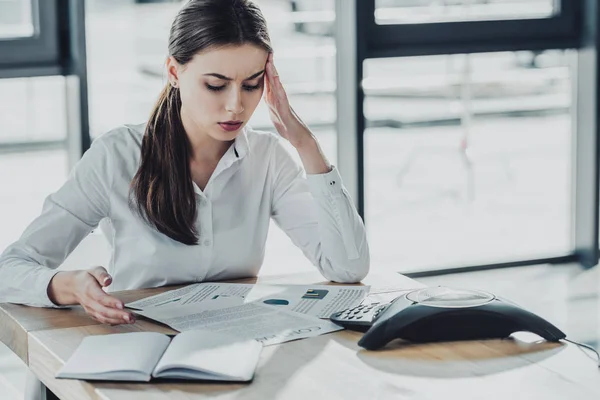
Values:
[(439, 314)]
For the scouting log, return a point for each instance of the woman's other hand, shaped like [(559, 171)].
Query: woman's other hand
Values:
[(284, 118), (85, 288)]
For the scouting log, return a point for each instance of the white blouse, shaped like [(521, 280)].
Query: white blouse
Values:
[(256, 179)]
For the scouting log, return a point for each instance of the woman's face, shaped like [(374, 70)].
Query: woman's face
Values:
[(220, 88)]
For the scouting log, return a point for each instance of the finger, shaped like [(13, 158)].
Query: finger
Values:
[(101, 275), (99, 295), (110, 301), (101, 318), (271, 82), (271, 73), (276, 85), (275, 115), (274, 72), (280, 91), (273, 78), (108, 321), (268, 65), (267, 87), (104, 304), (110, 314)]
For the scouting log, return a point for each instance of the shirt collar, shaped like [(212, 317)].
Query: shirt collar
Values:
[(240, 145), (236, 152)]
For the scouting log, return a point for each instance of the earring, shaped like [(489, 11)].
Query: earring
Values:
[(174, 84)]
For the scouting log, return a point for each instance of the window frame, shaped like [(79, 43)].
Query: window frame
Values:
[(36, 55), (560, 31)]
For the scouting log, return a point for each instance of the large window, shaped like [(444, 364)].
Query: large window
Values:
[(476, 131), (468, 159)]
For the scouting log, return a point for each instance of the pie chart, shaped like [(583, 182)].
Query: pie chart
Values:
[(276, 302)]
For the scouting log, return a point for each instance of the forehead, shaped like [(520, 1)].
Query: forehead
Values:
[(237, 62)]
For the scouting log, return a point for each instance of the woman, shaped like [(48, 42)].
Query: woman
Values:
[(190, 193)]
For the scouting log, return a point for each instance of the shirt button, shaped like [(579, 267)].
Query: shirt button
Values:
[(207, 242), (331, 183)]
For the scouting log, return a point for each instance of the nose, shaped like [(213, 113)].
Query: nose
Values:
[(234, 102)]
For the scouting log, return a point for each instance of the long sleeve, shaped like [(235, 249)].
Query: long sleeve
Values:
[(68, 216), (318, 215)]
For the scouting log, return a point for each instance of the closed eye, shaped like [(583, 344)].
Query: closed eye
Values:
[(251, 88), (215, 88)]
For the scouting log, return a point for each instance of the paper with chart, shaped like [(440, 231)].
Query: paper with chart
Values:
[(194, 293), (315, 300), (266, 324)]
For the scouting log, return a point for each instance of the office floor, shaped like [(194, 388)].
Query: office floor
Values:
[(565, 295)]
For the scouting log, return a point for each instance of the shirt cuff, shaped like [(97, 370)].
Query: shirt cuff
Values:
[(329, 183), (42, 282)]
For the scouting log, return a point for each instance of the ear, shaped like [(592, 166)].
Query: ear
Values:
[(173, 71)]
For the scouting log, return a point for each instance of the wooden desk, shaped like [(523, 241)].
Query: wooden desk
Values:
[(329, 366)]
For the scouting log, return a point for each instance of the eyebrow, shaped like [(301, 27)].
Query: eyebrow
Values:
[(225, 78)]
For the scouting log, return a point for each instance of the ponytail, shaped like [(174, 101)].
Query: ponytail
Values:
[(162, 191)]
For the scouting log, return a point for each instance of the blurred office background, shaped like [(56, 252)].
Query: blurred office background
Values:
[(474, 158)]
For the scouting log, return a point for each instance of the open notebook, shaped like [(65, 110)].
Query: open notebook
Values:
[(142, 356)]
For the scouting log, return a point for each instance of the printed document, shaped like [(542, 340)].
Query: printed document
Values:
[(194, 293), (266, 324), (314, 300)]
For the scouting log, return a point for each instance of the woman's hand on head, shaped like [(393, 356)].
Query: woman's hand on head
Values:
[(85, 288), (284, 118)]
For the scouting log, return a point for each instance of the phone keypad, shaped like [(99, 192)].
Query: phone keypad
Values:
[(359, 317)]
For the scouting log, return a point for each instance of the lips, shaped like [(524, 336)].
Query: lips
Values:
[(230, 126)]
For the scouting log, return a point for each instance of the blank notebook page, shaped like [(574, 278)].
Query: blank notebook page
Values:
[(136, 351), (211, 352)]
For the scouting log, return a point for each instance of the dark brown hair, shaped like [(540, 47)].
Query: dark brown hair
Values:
[(162, 191)]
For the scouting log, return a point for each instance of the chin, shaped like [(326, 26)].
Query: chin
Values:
[(225, 136)]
